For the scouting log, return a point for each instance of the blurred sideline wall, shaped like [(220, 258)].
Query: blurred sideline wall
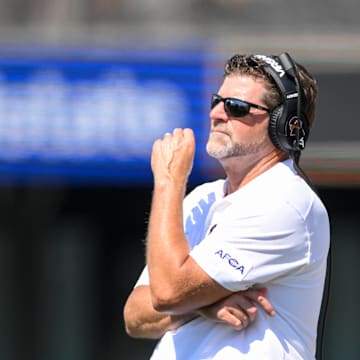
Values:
[(85, 87)]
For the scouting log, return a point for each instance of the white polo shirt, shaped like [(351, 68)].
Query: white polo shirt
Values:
[(273, 233)]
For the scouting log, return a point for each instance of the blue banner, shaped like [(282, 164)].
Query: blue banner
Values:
[(90, 117)]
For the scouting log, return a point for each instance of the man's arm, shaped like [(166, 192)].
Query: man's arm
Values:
[(238, 310), (178, 285), (143, 321)]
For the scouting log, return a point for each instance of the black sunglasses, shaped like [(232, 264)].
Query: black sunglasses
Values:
[(235, 107)]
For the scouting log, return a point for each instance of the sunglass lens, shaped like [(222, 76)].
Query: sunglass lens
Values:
[(236, 108), (215, 99)]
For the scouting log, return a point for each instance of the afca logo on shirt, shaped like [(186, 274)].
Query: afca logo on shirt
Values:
[(232, 261)]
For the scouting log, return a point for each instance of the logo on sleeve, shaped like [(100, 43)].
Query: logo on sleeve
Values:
[(231, 260)]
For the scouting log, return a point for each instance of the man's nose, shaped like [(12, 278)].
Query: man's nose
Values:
[(218, 112)]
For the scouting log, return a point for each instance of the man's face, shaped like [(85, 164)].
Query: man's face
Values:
[(230, 136)]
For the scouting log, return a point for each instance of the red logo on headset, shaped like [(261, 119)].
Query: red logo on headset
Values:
[(296, 131)]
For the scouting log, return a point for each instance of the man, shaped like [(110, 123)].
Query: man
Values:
[(223, 259)]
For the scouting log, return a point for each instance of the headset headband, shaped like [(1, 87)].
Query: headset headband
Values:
[(284, 81)]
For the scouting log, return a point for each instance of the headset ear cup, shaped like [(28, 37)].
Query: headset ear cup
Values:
[(273, 126)]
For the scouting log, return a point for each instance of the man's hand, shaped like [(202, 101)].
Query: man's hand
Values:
[(239, 309), (173, 155)]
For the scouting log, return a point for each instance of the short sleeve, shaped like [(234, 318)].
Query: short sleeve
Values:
[(247, 248)]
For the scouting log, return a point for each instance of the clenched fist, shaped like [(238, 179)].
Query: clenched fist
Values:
[(173, 156)]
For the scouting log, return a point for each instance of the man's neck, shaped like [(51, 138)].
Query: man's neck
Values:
[(242, 169)]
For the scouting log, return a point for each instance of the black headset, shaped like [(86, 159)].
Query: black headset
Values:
[(288, 126)]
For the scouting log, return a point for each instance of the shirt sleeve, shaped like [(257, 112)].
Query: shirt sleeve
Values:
[(253, 248)]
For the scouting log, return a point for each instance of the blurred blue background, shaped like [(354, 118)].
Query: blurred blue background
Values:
[(90, 115), (86, 86)]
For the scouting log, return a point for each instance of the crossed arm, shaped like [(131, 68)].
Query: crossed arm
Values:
[(237, 310)]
